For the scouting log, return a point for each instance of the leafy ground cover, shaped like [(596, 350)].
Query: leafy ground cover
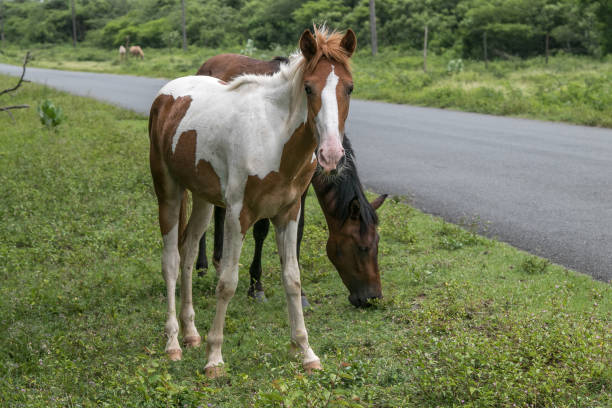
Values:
[(465, 321), (570, 88)]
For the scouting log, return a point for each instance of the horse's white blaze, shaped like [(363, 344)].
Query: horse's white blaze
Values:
[(327, 119)]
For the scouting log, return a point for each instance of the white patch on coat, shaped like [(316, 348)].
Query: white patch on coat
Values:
[(256, 114)]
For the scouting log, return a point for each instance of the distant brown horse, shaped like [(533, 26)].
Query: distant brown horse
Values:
[(353, 240), (136, 51), (252, 147)]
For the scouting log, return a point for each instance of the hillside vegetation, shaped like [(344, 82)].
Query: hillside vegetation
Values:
[(465, 321), (512, 27)]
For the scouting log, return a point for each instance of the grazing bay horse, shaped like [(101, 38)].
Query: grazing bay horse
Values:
[(251, 146), (352, 246)]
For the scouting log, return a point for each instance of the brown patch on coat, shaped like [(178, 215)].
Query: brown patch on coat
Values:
[(206, 182), (278, 194), (229, 66)]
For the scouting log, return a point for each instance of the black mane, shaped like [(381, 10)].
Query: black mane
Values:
[(347, 187)]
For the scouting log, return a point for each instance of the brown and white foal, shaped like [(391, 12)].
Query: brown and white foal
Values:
[(249, 146)]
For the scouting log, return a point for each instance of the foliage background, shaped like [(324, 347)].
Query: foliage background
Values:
[(514, 27)]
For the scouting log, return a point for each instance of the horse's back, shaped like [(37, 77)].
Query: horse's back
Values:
[(229, 66)]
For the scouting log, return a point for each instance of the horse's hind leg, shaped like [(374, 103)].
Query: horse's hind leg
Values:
[(198, 222), (169, 200), (232, 245), (260, 232)]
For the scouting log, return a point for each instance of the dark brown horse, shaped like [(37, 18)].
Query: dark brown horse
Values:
[(352, 246)]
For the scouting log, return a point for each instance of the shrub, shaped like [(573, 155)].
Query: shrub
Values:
[(50, 115)]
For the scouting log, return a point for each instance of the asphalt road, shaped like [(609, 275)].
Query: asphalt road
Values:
[(543, 187)]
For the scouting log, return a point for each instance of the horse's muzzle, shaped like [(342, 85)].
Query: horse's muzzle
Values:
[(364, 298)]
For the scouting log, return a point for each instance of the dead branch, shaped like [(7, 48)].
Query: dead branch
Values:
[(7, 109), (25, 62)]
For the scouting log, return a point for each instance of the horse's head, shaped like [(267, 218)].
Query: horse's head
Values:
[(328, 85), (353, 249)]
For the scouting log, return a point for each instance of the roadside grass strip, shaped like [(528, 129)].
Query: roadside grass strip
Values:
[(572, 89), (465, 321)]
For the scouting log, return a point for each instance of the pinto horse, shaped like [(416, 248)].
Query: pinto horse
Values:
[(252, 147), (352, 246)]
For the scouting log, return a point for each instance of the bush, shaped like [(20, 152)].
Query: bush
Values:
[(50, 115)]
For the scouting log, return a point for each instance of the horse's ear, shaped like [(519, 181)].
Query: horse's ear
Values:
[(378, 201), (349, 42), (308, 45), (354, 209)]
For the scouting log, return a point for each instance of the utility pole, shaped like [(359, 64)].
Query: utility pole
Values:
[(373, 27), (484, 47), (547, 44), (74, 40), (184, 31), (425, 51)]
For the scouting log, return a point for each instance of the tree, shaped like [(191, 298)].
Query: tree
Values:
[(373, 27), (183, 24), (1, 24), (550, 17), (74, 36)]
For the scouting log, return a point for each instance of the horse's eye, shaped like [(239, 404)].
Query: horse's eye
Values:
[(350, 89), (308, 90), (364, 249)]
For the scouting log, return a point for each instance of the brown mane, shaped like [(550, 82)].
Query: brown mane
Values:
[(328, 46)]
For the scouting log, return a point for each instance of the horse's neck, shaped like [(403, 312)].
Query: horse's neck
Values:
[(326, 192)]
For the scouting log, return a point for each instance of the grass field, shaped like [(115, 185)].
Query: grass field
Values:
[(572, 89), (465, 321)]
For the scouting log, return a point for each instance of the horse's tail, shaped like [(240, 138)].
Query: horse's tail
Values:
[(183, 218)]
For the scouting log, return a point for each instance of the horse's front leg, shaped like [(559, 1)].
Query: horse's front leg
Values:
[(286, 239), (226, 287)]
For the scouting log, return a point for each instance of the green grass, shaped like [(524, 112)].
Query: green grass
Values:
[(573, 89), (465, 321)]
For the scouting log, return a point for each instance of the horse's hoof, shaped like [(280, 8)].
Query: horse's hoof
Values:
[(174, 354), (305, 303), (192, 341), (260, 296), (201, 271), (313, 366), (214, 372)]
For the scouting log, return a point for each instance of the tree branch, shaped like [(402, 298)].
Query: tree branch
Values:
[(25, 62)]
